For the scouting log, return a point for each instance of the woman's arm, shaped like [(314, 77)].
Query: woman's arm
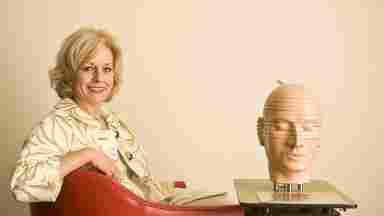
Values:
[(37, 177), (74, 160), (46, 159)]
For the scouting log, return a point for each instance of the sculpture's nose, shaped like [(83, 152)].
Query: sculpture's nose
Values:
[(296, 135)]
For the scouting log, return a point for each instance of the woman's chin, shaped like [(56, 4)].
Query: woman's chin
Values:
[(96, 101)]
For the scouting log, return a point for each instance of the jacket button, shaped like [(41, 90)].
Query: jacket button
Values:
[(129, 155)]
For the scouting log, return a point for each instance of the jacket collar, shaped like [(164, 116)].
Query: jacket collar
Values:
[(69, 107)]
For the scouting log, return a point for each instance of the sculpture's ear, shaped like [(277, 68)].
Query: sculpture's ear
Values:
[(260, 130)]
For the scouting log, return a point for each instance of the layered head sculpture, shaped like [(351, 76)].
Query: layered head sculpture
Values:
[(290, 131)]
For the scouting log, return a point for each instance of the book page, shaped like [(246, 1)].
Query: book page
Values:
[(185, 197)]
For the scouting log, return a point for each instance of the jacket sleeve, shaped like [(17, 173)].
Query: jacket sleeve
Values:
[(37, 177)]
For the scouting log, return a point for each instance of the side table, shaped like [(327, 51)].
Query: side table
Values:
[(319, 198)]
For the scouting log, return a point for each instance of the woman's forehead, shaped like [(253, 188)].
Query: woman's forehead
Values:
[(102, 54)]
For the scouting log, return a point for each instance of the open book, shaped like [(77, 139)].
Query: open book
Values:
[(183, 196)]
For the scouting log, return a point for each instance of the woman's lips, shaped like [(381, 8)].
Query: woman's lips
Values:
[(97, 89)]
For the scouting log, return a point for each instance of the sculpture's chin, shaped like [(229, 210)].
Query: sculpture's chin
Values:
[(294, 167), (292, 173)]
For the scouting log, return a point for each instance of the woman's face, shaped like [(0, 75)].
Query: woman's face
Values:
[(95, 79)]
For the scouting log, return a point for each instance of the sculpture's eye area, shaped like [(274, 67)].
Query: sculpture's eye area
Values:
[(280, 125), (310, 127), (287, 126)]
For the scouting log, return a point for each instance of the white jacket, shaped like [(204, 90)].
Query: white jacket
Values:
[(67, 128)]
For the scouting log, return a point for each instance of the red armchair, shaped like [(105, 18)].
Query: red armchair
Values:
[(89, 193)]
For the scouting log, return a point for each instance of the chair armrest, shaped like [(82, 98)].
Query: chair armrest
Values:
[(87, 192)]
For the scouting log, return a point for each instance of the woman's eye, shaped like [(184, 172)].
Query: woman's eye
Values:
[(108, 70), (88, 68)]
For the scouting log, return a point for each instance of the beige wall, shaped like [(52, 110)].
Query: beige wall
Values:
[(197, 73)]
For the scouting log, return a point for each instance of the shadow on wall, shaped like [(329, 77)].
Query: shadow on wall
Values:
[(17, 118)]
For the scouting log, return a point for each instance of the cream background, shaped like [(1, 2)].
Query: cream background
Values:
[(197, 74)]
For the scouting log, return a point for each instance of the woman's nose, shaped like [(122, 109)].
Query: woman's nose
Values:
[(97, 75)]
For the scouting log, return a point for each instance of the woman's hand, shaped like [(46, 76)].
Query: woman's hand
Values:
[(103, 163), (74, 160)]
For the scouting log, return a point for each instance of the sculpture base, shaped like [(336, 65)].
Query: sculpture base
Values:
[(283, 187), (292, 212), (317, 198)]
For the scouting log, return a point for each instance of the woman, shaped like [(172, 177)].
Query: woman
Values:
[(79, 132)]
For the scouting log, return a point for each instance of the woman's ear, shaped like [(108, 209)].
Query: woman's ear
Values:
[(260, 130)]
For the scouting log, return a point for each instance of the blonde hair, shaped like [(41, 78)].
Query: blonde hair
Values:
[(77, 49)]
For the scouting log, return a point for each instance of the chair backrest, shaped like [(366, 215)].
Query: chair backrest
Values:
[(90, 193)]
